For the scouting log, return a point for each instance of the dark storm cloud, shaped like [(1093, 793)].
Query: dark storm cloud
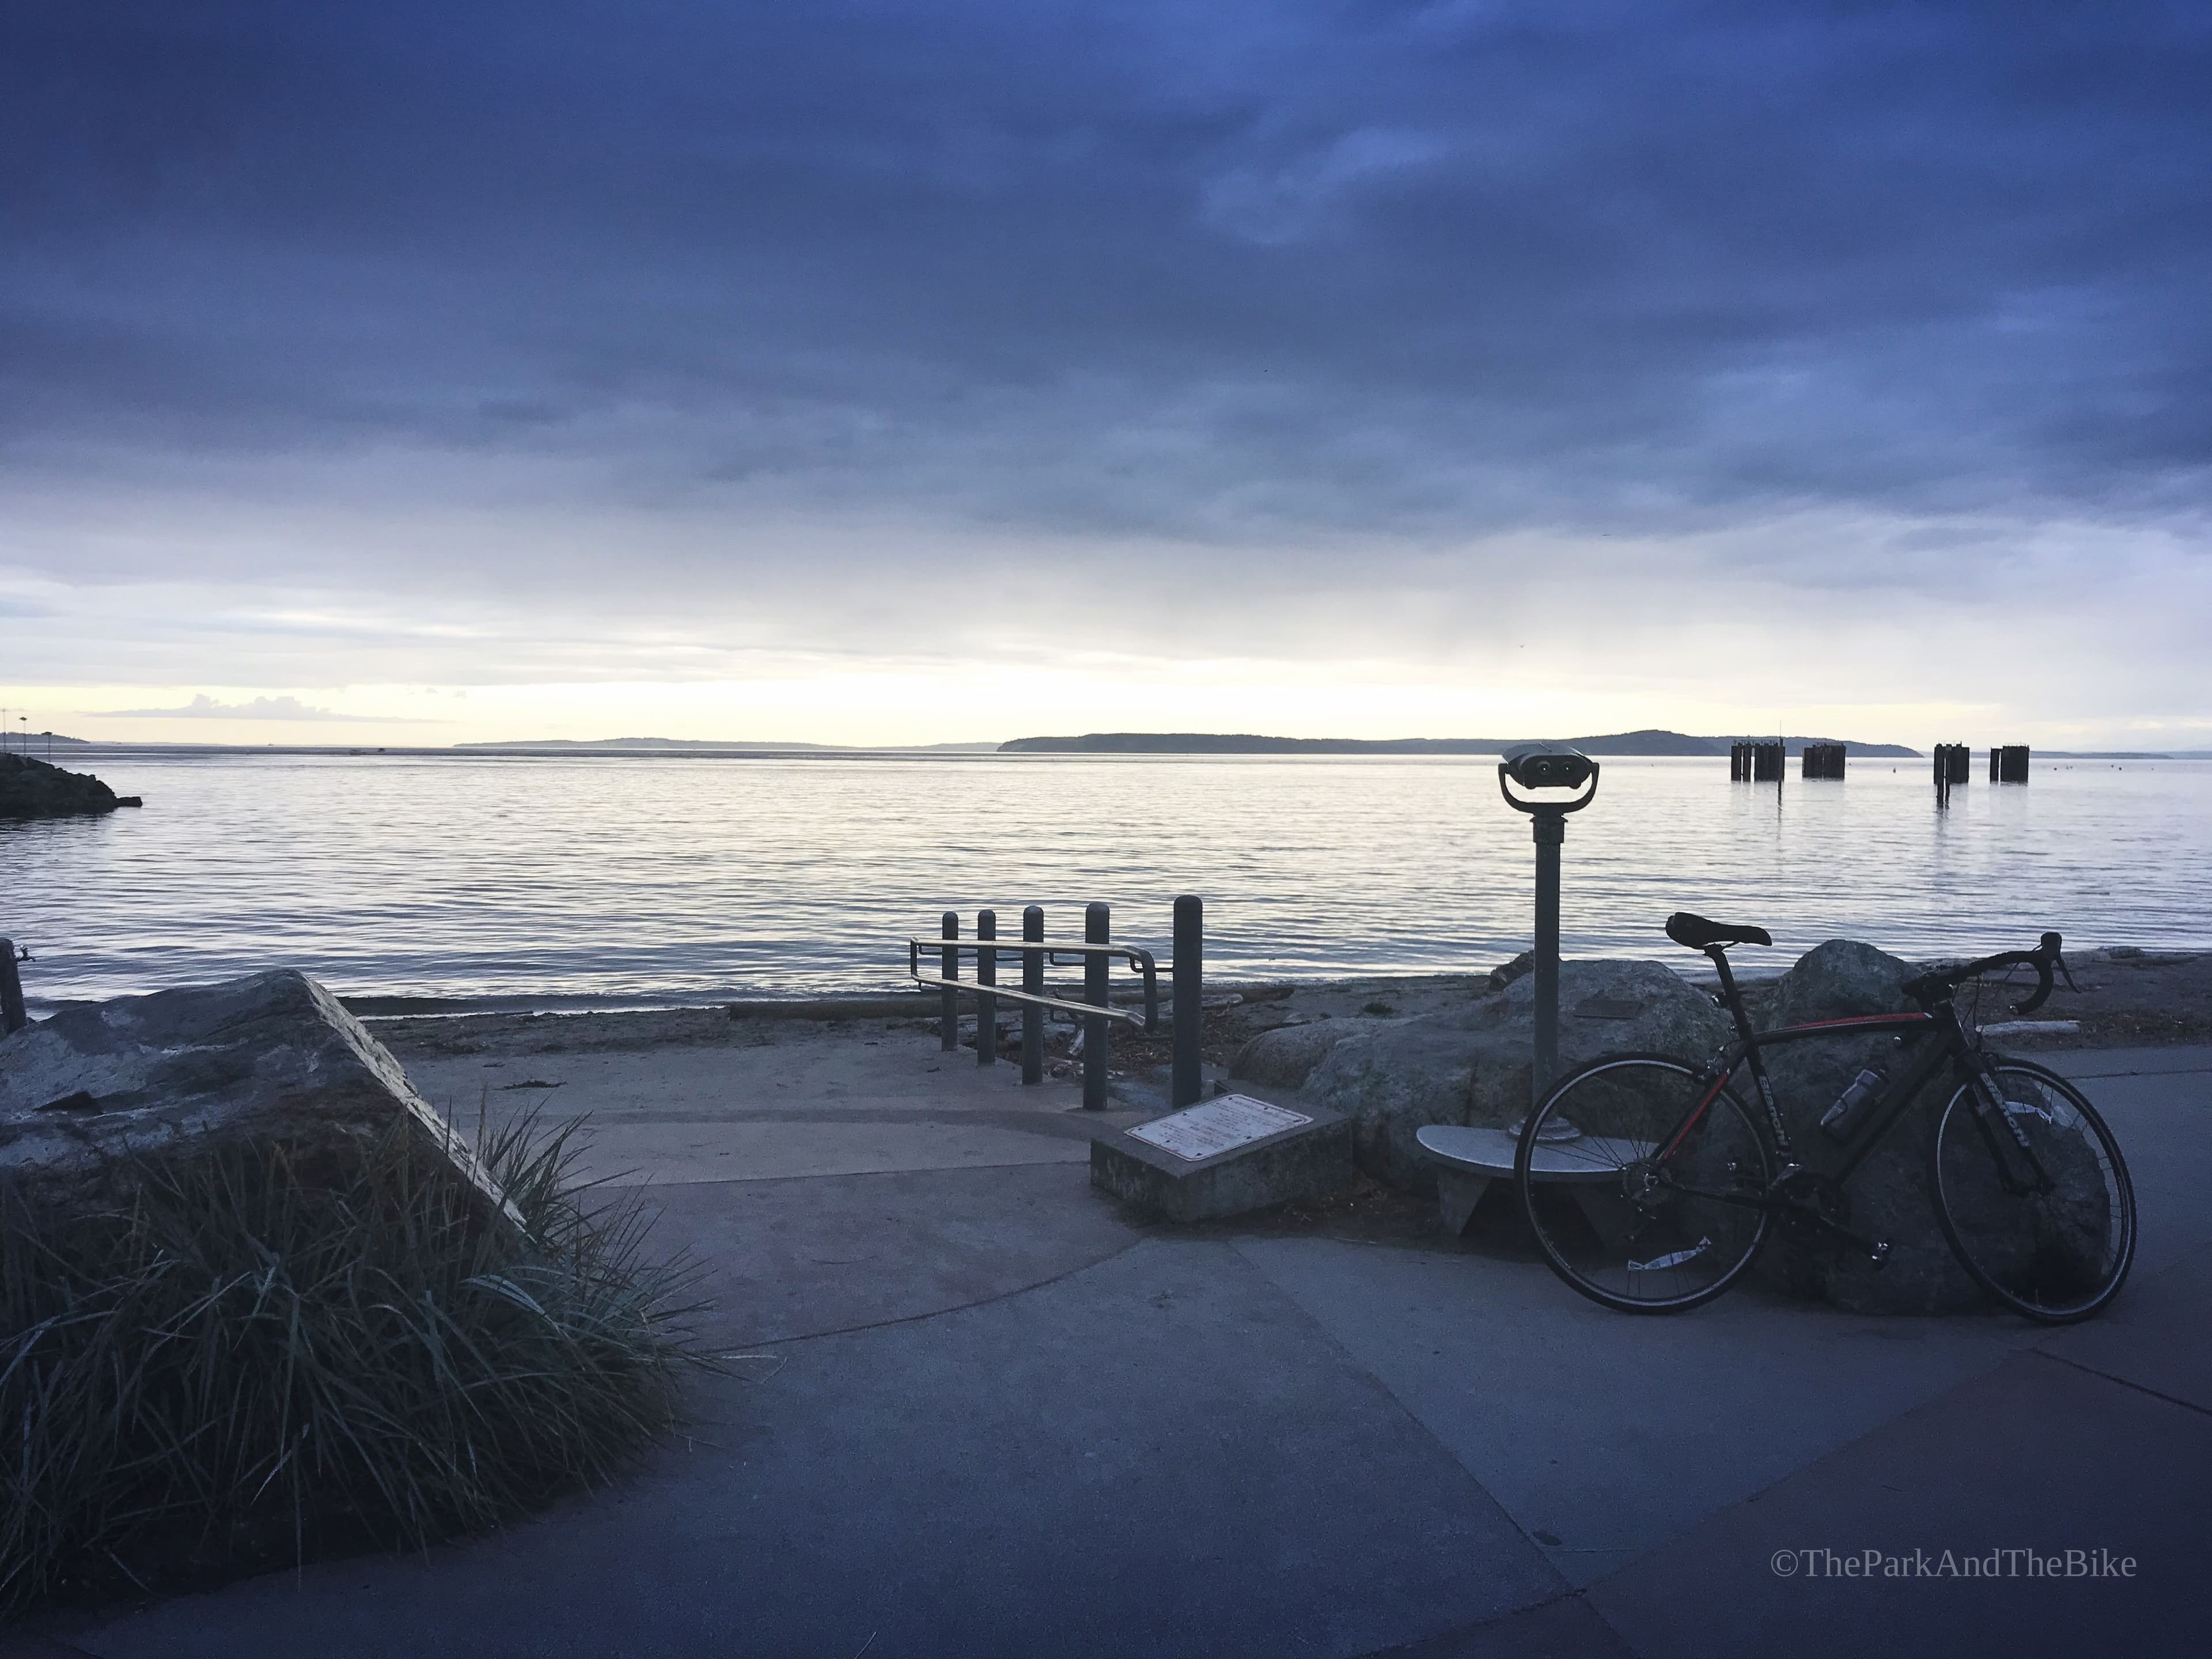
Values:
[(1207, 271)]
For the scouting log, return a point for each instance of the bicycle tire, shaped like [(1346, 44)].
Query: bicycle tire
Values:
[(1630, 1236), (2058, 1255)]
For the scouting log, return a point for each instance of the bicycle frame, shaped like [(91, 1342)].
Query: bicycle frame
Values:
[(1953, 1049)]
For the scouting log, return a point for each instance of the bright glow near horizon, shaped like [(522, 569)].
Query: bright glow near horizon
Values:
[(1429, 372)]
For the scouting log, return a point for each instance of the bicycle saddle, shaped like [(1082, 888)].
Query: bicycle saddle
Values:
[(1698, 933)]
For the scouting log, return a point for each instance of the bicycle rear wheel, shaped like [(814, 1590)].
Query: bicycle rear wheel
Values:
[(2036, 1202), (1645, 1183)]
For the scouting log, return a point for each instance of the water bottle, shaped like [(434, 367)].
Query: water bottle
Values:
[(1840, 1119)]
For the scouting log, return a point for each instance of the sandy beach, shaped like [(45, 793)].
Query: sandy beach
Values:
[(2123, 997)]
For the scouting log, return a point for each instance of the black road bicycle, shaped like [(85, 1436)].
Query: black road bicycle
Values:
[(1672, 1183)]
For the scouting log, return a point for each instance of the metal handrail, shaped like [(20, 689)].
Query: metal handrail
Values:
[(1140, 960), (1133, 956)]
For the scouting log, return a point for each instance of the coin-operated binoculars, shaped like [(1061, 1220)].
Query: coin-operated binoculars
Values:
[(1535, 766)]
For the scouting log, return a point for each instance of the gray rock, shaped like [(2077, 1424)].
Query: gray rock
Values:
[(1506, 972), (1838, 979), (268, 1057), (1888, 1195), (1472, 1065), (1285, 1057)]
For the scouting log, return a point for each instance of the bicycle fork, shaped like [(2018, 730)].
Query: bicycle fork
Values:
[(1990, 1108)]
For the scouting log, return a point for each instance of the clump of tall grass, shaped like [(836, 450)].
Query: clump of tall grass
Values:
[(255, 1355)]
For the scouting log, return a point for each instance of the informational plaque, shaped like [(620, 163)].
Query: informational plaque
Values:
[(1216, 1125)]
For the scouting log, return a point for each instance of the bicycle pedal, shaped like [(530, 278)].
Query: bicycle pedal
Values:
[(1878, 1255)]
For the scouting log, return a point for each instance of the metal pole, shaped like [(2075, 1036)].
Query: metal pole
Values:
[(1033, 983), (12, 1017), (1551, 831), (1189, 1001), (1095, 1028), (986, 1006), (948, 1004)]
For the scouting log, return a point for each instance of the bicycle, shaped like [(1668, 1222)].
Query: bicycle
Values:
[(1677, 1184)]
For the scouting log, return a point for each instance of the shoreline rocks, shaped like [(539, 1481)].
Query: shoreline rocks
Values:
[(1472, 1066), (270, 1057), (32, 788)]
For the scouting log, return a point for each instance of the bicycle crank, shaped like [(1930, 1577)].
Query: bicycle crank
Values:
[(1813, 1206)]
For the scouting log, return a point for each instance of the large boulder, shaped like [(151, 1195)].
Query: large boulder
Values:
[(268, 1057), (1285, 1057), (1473, 1065), (1888, 1196)]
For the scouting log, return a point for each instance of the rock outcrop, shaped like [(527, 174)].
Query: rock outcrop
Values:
[(1473, 1066), (32, 789), (1889, 1196), (271, 1056)]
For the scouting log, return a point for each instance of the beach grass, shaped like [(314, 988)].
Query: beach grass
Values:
[(249, 1357)]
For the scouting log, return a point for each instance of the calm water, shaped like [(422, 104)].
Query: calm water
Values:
[(637, 880)]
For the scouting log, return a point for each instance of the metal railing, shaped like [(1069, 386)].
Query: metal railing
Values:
[(1096, 953)]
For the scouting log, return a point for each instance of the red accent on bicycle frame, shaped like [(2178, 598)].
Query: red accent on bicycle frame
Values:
[(1711, 1094), (1856, 1019)]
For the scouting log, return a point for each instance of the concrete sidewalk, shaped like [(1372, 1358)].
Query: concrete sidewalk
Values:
[(991, 1415)]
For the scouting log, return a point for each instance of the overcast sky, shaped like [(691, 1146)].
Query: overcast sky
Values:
[(910, 372)]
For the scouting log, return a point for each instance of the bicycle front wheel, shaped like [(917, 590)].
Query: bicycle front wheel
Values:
[(1645, 1183), (2033, 1195)]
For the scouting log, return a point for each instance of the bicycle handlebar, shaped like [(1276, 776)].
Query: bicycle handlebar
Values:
[(1934, 987)]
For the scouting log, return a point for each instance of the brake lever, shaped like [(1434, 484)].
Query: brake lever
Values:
[(2052, 945), (2044, 958)]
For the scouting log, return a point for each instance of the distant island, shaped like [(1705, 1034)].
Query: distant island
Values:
[(733, 744), (1616, 743)]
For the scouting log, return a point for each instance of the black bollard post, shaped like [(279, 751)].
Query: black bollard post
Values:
[(1095, 922), (1189, 1063), (1551, 831), (1033, 983), (12, 1015), (948, 1006), (986, 1006)]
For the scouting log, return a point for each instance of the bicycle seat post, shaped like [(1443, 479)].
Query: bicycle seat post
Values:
[(1731, 998)]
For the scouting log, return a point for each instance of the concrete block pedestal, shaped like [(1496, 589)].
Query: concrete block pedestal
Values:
[(1257, 1166)]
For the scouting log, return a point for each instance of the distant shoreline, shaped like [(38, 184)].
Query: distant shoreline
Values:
[(1655, 744), (1651, 742)]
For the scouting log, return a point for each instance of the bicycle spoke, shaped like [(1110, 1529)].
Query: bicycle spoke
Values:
[(1626, 1224), (2055, 1246)]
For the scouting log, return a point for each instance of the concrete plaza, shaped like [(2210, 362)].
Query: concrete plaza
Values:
[(979, 1411)]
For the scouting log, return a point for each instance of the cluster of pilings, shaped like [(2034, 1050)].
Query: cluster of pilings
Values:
[(1763, 763), (2008, 764), (1755, 763)]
